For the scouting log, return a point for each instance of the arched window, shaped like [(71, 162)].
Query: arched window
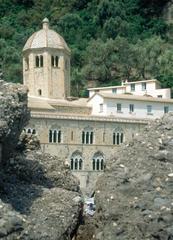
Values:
[(39, 61), (55, 136), (118, 136), (26, 63), (30, 131), (39, 92), (33, 131), (98, 161), (66, 64), (76, 161), (54, 61), (87, 136)]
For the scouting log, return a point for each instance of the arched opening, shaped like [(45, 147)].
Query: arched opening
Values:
[(118, 136), (33, 131), (26, 63), (39, 92), (54, 61), (76, 161), (87, 136), (37, 61), (41, 61), (29, 130), (55, 136), (98, 161)]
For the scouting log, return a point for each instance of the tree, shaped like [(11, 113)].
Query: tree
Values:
[(148, 53)]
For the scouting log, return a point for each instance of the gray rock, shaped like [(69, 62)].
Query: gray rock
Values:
[(142, 207)]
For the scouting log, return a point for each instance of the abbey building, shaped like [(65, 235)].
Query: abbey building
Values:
[(85, 131)]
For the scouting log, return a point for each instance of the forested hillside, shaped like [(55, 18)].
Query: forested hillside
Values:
[(110, 39)]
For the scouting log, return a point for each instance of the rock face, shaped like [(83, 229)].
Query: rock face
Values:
[(134, 197), (14, 115), (39, 198)]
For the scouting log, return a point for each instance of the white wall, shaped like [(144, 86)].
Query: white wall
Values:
[(95, 104), (152, 88), (140, 108)]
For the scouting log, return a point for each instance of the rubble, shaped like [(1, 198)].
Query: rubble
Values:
[(39, 197), (134, 196)]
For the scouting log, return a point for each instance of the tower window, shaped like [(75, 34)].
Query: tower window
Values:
[(39, 61), (39, 92), (66, 64), (26, 63), (55, 61)]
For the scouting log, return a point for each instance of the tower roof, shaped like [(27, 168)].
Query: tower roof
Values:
[(46, 38)]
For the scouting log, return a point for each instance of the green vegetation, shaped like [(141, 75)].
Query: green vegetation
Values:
[(110, 39)]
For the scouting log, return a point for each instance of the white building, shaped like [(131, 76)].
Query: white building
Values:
[(142, 99)]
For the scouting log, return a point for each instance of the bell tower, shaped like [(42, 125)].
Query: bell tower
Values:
[(46, 64)]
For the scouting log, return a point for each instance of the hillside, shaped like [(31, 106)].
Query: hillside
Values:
[(110, 39)]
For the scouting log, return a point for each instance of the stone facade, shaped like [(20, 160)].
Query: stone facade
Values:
[(71, 144)]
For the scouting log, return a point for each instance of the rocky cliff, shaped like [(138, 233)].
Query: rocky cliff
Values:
[(39, 198)]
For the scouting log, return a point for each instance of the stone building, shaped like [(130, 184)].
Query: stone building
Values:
[(85, 131)]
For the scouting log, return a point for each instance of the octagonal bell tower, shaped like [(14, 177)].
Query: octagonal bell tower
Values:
[(46, 64)]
